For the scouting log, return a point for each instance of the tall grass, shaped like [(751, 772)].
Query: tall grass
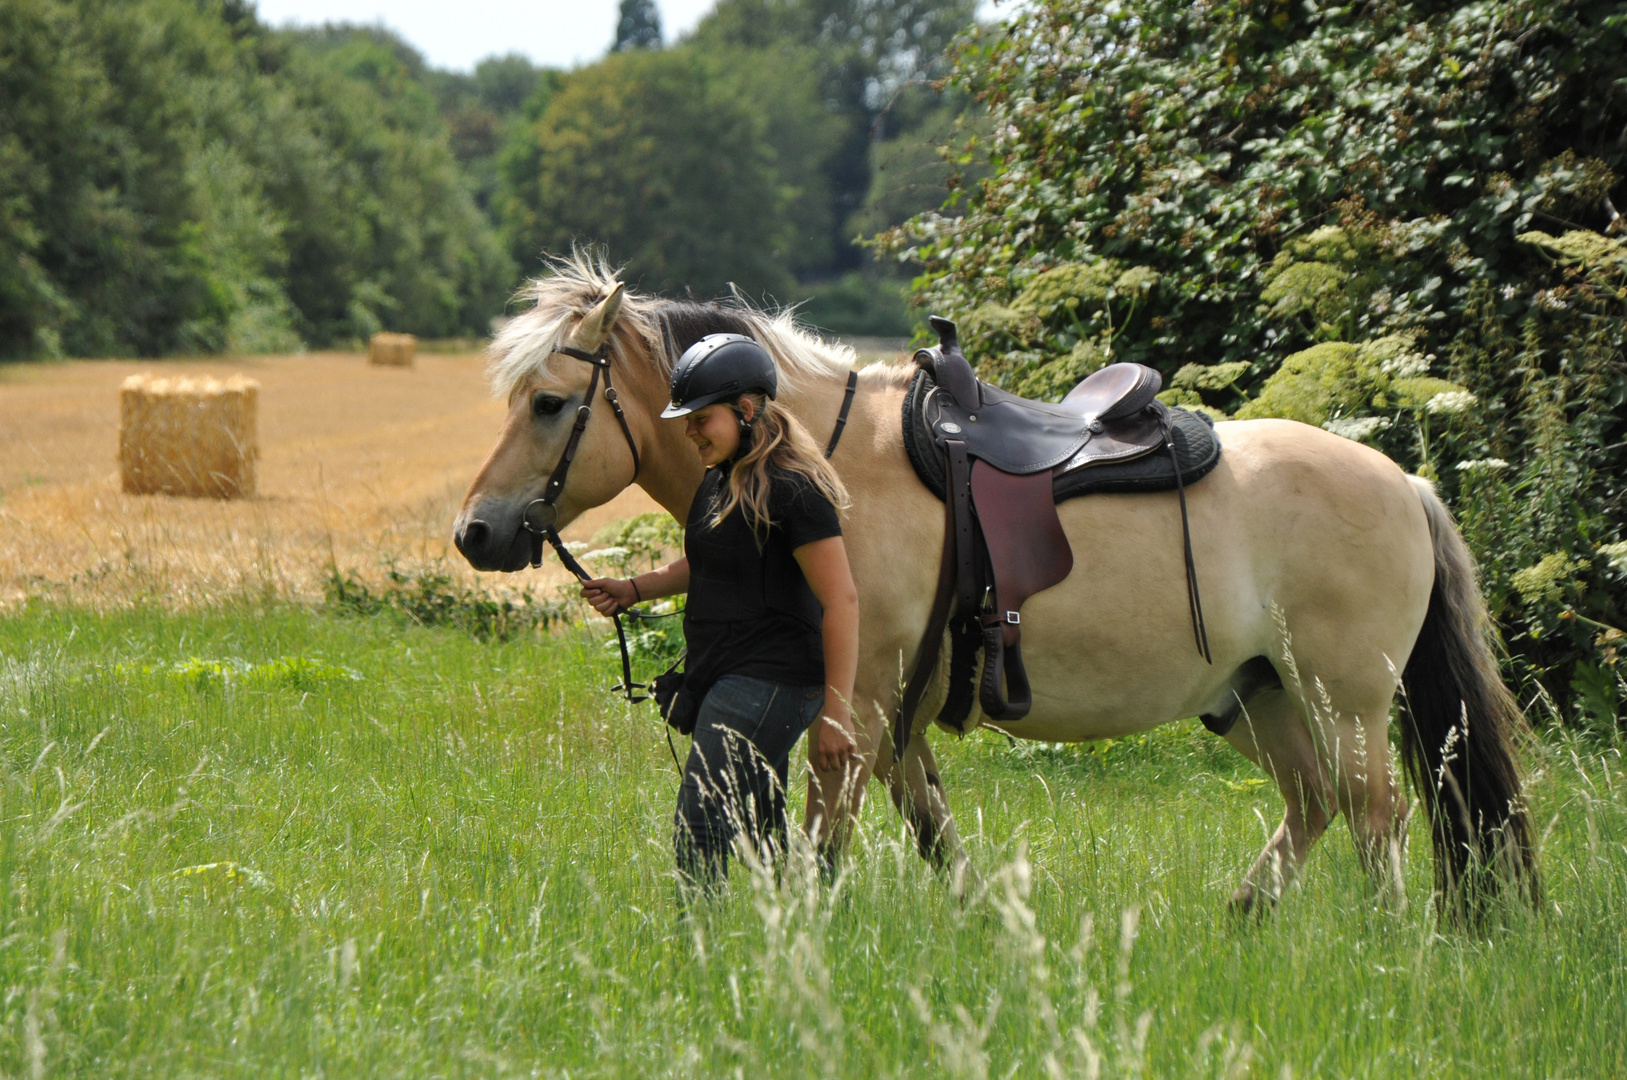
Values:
[(265, 841)]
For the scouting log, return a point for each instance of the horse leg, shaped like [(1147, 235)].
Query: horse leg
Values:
[(918, 793), (835, 798), (1369, 795), (1274, 733)]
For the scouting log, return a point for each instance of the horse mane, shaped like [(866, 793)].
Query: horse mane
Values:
[(576, 283)]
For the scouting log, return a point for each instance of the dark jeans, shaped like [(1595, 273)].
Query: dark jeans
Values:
[(734, 780)]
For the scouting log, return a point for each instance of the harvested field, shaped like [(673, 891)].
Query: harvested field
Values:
[(360, 466)]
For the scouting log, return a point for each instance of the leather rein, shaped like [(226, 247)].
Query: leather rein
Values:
[(541, 516)]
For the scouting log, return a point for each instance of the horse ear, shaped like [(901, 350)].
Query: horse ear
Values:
[(596, 325)]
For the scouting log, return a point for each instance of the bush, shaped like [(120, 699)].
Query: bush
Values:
[(429, 597)]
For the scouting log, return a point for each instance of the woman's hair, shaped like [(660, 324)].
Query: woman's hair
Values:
[(778, 441)]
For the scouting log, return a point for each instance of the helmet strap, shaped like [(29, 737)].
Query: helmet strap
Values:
[(745, 427)]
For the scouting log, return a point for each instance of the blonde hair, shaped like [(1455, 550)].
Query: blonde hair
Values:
[(778, 441)]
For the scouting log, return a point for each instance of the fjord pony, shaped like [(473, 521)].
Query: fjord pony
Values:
[(1330, 579)]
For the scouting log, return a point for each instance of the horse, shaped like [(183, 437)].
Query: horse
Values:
[(1331, 580)]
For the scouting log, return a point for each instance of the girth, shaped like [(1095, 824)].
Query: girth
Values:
[(1001, 464)]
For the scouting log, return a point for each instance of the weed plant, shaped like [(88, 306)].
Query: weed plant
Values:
[(270, 841)]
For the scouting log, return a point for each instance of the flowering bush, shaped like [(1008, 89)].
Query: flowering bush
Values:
[(1396, 221)]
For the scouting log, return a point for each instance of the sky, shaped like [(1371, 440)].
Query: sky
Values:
[(553, 33)]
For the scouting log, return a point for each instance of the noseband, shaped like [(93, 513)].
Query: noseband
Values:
[(541, 517)]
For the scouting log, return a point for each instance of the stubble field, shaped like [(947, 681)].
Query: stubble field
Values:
[(360, 468), (246, 832)]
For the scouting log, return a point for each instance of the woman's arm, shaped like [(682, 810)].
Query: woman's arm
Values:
[(824, 564), (610, 595)]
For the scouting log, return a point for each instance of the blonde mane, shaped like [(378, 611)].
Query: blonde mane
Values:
[(649, 329)]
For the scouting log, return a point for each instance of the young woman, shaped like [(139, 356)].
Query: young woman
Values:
[(772, 616)]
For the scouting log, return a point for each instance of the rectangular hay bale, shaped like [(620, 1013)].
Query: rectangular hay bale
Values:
[(185, 436), (392, 350)]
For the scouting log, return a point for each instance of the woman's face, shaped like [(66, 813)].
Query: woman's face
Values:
[(715, 431)]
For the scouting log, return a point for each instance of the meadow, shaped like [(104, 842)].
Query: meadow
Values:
[(271, 840)]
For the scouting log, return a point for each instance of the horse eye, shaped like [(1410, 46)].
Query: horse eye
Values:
[(547, 404)]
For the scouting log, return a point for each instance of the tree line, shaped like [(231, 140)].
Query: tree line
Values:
[(178, 177)]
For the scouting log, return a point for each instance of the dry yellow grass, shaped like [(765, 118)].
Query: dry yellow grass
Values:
[(359, 465)]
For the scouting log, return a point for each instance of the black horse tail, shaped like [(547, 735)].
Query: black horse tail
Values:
[(1459, 730)]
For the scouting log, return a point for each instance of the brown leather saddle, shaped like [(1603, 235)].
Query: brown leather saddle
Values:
[(1001, 463)]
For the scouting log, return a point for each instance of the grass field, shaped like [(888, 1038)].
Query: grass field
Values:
[(265, 841)]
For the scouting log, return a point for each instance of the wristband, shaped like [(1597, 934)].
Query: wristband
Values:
[(633, 581)]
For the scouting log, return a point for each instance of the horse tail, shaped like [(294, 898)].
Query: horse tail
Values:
[(1460, 725)]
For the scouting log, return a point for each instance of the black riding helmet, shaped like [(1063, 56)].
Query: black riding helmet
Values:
[(720, 367)]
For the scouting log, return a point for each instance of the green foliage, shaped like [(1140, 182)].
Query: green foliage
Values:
[(1337, 204), (859, 302), (300, 674), (430, 597), (657, 156), (874, 62), (640, 542), (178, 178)]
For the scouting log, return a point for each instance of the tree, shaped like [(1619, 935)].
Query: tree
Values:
[(660, 157), (1395, 219), (638, 26), (867, 52)]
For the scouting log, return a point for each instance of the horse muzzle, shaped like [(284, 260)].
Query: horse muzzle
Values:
[(491, 539)]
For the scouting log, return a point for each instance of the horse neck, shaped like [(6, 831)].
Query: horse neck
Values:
[(669, 468)]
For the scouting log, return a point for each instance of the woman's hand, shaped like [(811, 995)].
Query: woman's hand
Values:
[(609, 595), (835, 748)]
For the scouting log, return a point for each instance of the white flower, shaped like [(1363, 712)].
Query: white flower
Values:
[(1357, 428), (1408, 365), (1617, 554), (1449, 402), (1490, 465), (610, 554), (1509, 292)]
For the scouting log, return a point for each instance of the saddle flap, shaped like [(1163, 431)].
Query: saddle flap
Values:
[(1013, 434), (1125, 440), (1027, 548)]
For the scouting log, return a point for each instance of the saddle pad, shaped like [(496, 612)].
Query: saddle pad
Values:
[(1196, 445)]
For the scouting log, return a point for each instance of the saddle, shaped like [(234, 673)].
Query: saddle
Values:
[(1001, 463)]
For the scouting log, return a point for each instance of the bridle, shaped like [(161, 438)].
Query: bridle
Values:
[(541, 517)]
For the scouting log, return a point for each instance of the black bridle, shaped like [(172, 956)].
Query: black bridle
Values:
[(541, 517)]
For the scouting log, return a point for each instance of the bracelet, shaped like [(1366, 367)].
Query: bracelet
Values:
[(633, 581)]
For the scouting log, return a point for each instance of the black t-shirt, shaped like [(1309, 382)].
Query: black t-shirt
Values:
[(750, 610)]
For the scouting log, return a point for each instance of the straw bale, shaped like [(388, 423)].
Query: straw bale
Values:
[(392, 350), (188, 436)]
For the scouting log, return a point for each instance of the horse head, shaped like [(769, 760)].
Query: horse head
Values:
[(540, 359), (581, 308)]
